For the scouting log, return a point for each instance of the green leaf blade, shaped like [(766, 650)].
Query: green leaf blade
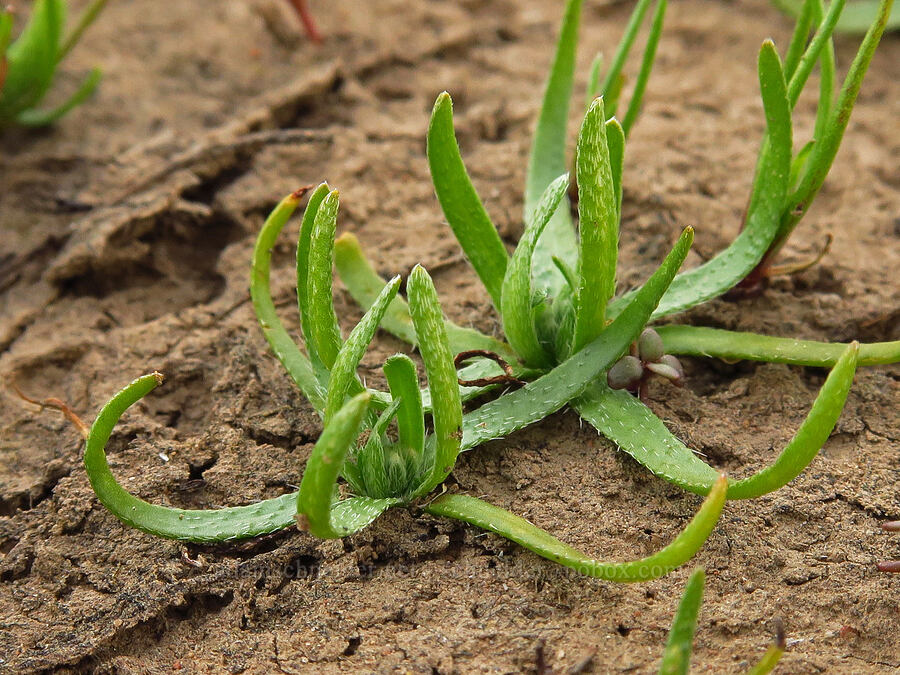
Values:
[(348, 357), (324, 335), (598, 226), (552, 391), (283, 346), (481, 514), (400, 372), (202, 526), (461, 205), (640, 85), (735, 262), (734, 346), (434, 347), (314, 500), (637, 431), (516, 298), (677, 656)]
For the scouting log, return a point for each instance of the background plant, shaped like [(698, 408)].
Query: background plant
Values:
[(856, 18), (555, 293), (677, 656), (29, 64)]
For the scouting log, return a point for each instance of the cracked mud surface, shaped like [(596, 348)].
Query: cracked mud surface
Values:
[(126, 236)]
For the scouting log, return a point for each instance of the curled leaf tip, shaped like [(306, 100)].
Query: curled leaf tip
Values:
[(297, 194), (159, 377)]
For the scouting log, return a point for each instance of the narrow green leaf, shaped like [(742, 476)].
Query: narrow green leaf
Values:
[(306, 230), (615, 140), (592, 90), (731, 265), (434, 347), (734, 346), (235, 522), (598, 226), (811, 55), (348, 357), (856, 17), (826, 78), (552, 391), (481, 514), (31, 59), (624, 47), (364, 284), (797, 45), (314, 500), (400, 372), (88, 16), (516, 298), (295, 362), (34, 117), (826, 147), (798, 164), (677, 657), (769, 660), (547, 159), (636, 430), (640, 85), (548, 148), (568, 273), (323, 334), (463, 209)]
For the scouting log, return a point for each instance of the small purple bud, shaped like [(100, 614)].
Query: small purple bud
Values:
[(625, 373), (650, 345), (668, 367)]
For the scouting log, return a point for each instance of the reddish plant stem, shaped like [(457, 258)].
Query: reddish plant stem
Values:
[(306, 17)]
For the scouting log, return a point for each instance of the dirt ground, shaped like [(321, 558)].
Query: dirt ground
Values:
[(125, 237)]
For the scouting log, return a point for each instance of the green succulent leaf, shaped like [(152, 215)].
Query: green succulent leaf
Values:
[(640, 84), (856, 17), (400, 372), (735, 346), (236, 522), (830, 130), (598, 225), (615, 139), (434, 346), (461, 205), (32, 58), (494, 519), (613, 76), (636, 430), (303, 263), (731, 265), (552, 391), (364, 283), (548, 158), (324, 336), (31, 61), (516, 298), (34, 117), (677, 657), (283, 346), (315, 507), (343, 372)]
